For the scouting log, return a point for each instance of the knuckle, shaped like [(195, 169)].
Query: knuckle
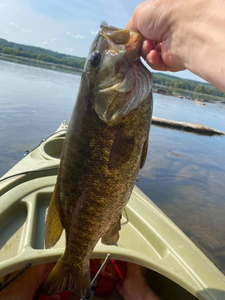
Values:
[(137, 13)]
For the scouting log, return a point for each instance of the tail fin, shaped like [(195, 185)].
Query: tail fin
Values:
[(65, 277)]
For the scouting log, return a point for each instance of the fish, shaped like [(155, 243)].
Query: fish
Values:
[(105, 146)]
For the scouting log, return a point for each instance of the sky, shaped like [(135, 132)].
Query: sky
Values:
[(67, 26)]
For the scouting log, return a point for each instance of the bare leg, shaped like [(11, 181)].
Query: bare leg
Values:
[(24, 287), (134, 286)]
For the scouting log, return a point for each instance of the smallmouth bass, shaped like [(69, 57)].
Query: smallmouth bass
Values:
[(105, 146)]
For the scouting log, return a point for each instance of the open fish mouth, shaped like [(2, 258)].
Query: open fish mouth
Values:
[(123, 86), (133, 90), (141, 88), (117, 79)]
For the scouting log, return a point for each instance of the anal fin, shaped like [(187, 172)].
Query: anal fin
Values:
[(53, 225), (111, 236)]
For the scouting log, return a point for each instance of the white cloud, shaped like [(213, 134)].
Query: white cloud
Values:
[(18, 27), (13, 24), (77, 36), (45, 43), (94, 32), (26, 30), (69, 49), (53, 40)]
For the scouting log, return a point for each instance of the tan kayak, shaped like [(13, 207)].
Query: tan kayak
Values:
[(147, 237)]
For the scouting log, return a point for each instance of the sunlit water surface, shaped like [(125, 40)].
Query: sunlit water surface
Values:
[(184, 173)]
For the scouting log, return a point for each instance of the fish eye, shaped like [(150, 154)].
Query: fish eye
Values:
[(95, 59)]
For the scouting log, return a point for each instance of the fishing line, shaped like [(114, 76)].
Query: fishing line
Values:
[(93, 283), (28, 172)]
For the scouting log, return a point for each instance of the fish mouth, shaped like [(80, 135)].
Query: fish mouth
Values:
[(119, 37), (129, 83), (119, 86), (123, 39), (115, 87)]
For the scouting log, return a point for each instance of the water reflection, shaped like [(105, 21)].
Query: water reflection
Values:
[(187, 183)]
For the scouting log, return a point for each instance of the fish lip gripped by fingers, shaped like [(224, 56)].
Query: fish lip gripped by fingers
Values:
[(129, 42), (116, 94)]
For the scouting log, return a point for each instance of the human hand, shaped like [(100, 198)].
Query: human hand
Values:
[(183, 35), (170, 31), (156, 21)]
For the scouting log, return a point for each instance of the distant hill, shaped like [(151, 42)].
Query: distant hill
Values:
[(41, 54)]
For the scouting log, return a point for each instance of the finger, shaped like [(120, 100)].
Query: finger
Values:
[(133, 22), (158, 47), (146, 48), (157, 42), (131, 26), (154, 60), (139, 20)]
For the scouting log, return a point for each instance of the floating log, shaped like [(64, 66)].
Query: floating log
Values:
[(189, 127)]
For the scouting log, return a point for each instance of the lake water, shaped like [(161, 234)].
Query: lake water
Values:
[(184, 173)]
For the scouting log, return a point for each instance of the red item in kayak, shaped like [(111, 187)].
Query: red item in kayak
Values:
[(62, 296), (110, 276)]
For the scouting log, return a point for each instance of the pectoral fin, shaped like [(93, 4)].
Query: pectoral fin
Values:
[(144, 154), (112, 235), (53, 225), (122, 148)]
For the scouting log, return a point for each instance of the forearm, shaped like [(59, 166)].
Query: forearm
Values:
[(200, 41)]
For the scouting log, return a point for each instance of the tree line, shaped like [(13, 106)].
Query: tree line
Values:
[(187, 85), (69, 61), (45, 55)]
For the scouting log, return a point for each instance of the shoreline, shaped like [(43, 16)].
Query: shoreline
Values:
[(39, 63), (163, 90)]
